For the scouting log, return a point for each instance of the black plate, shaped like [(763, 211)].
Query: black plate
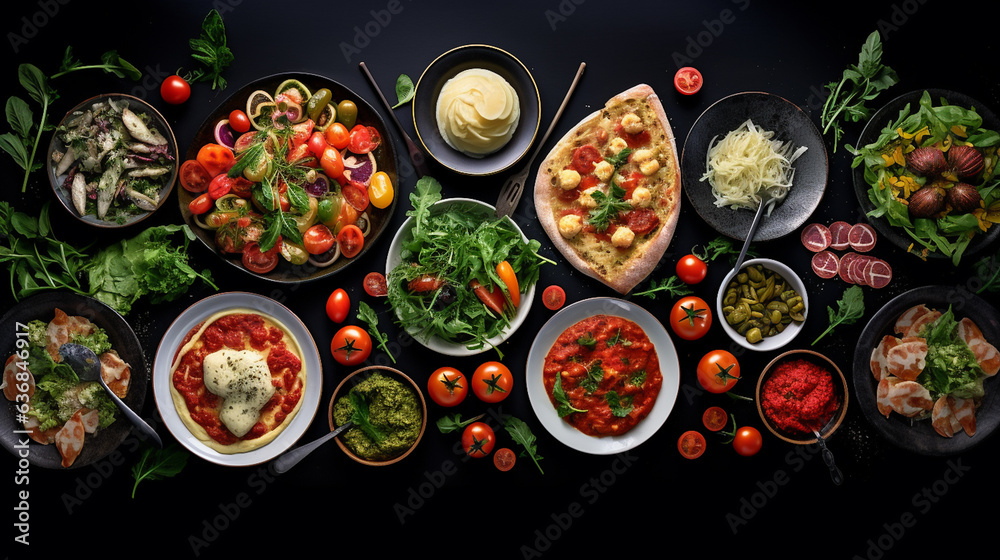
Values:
[(920, 437), (442, 69), (385, 160), (123, 340), (789, 124), (888, 114)]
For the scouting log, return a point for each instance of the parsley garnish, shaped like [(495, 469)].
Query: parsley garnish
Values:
[(620, 406), (638, 378), (595, 374), (617, 339), (588, 341), (608, 206), (565, 407)]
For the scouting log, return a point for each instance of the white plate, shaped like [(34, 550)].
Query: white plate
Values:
[(188, 320), (435, 343), (546, 412), (792, 330)]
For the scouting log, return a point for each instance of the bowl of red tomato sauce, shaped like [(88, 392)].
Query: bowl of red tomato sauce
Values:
[(800, 391)]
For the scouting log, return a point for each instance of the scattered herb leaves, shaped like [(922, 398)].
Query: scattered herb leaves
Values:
[(368, 315), (850, 308), (522, 434), (672, 286)]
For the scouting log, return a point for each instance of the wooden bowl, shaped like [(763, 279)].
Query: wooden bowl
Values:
[(839, 387)]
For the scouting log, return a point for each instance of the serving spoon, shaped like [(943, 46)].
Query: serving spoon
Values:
[(292, 457), (766, 200), (835, 473), (87, 367)]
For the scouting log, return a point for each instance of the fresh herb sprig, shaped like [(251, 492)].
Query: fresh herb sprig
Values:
[(860, 84), (673, 286), (211, 49), (26, 134), (522, 434), (718, 247), (564, 407), (988, 269), (850, 308), (404, 90), (368, 315), (454, 422), (157, 463), (608, 206)]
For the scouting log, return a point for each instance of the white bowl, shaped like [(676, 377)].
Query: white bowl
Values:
[(435, 343), (769, 342)]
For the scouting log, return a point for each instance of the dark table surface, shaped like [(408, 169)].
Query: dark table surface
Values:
[(893, 503)]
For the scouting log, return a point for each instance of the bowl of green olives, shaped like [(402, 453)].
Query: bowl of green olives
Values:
[(763, 305)]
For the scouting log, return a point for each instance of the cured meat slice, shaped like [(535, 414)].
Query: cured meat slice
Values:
[(862, 237), (845, 265), (856, 270), (825, 264), (11, 385), (69, 439), (907, 398), (115, 372), (986, 354), (922, 321), (839, 231), (907, 359), (907, 318), (878, 358), (953, 414), (879, 274), (816, 237)]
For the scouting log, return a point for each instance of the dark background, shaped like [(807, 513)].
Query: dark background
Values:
[(894, 503)]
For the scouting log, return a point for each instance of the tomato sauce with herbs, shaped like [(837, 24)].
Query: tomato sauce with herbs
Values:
[(238, 331), (608, 373), (799, 396)]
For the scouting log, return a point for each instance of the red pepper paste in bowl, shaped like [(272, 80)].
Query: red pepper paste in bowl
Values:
[(798, 396)]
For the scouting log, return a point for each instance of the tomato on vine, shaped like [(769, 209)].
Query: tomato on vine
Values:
[(746, 441), (691, 269), (690, 318)]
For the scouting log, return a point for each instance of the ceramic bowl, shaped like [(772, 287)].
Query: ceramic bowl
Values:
[(839, 389), (770, 342), (58, 177), (358, 376)]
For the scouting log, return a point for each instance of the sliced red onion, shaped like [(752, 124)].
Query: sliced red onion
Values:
[(327, 258), (224, 134), (359, 168), (319, 187)]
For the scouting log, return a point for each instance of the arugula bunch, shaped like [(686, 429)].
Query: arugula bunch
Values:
[(850, 308), (26, 134), (457, 245), (951, 367), (860, 83)]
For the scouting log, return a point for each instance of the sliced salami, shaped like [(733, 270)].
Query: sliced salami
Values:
[(825, 264), (879, 274), (839, 233), (845, 265), (856, 271), (816, 237), (861, 237)]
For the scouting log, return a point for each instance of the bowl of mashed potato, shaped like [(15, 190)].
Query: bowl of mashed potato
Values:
[(476, 110)]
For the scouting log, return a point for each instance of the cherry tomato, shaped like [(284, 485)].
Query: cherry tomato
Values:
[(239, 121), (318, 239), (338, 305), (356, 194), (376, 284), (332, 162), (351, 345), (201, 204), (194, 178), (380, 191), (351, 240), (447, 386), (491, 382), (718, 371), (747, 441), (260, 262), (714, 418), (506, 272), (175, 90), (688, 80), (553, 297), (337, 135), (220, 186), (504, 458), (691, 269), (363, 139), (216, 158), (478, 439), (691, 444), (690, 317), (317, 144)]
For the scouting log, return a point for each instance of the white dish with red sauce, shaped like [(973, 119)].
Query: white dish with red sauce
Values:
[(190, 319), (546, 411)]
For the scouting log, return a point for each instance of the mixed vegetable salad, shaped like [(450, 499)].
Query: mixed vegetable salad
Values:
[(294, 174), (932, 172), (462, 272)]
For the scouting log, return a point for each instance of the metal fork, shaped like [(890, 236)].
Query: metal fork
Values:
[(511, 191)]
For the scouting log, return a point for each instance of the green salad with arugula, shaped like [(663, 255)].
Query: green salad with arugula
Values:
[(951, 367), (932, 173), (447, 285)]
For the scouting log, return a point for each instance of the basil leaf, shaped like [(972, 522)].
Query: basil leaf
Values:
[(404, 90)]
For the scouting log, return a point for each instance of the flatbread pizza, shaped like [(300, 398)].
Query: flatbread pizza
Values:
[(608, 194)]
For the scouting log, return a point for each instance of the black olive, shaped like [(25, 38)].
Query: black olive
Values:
[(445, 297)]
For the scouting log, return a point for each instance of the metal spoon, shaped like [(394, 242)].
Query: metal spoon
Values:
[(87, 366), (291, 458), (766, 200), (835, 473)]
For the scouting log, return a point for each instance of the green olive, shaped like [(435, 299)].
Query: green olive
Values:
[(347, 113), (759, 303), (754, 335), (319, 100)]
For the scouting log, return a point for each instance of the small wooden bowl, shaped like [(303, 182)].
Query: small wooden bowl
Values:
[(840, 388), (356, 377)]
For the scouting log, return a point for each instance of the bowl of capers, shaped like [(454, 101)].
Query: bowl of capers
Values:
[(763, 305)]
